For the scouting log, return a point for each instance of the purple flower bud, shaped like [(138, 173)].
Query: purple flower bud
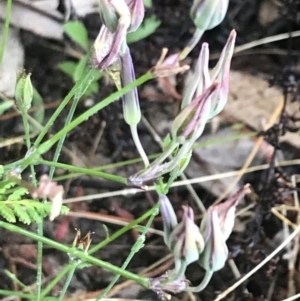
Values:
[(137, 12), (131, 106), (200, 80), (119, 17), (108, 45), (216, 226), (168, 216), (208, 14), (215, 253), (221, 75), (191, 120), (186, 242)]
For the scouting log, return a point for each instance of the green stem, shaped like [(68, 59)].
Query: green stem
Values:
[(138, 144), (77, 254), (98, 247), (44, 147), (202, 285), (135, 248), (84, 84), (192, 43), (74, 266), (5, 30), (59, 110), (16, 294), (40, 226), (85, 171)]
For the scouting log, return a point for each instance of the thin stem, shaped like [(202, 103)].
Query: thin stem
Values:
[(44, 147), (179, 273), (60, 108), (138, 144), (166, 152), (74, 266), (77, 254), (85, 171), (98, 247), (84, 84), (5, 30), (192, 43), (135, 248), (202, 285), (16, 294), (40, 226)]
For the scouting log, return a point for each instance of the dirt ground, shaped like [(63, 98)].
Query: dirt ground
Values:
[(256, 234)]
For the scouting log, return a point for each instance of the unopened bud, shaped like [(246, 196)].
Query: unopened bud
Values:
[(168, 216), (215, 253), (191, 121), (216, 226), (131, 106), (207, 14), (186, 242), (137, 12), (108, 15), (24, 92), (221, 75)]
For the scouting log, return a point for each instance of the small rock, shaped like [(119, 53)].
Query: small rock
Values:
[(13, 60)]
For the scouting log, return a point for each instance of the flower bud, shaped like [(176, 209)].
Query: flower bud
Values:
[(215, 253), (108, 45), (168, 217), (208, 14), (108, 14), (24, 92), (131, 106), (137, 12), (186, 242), (200, 79), (221, 75), (191, 120), (216, 226)]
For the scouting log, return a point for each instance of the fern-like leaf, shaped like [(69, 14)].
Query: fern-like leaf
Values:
[(17, 194), (5, 185), (21, 212), (27, 211), (34, 215), (7, 212)]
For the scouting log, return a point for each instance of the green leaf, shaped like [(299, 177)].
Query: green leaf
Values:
[(17, 194), (78, 33), (21, 213), (68, 67), (7, 213), (148, 3), (5, 105), (34, 214), (92, 89), (146, 29), (167, 141), (1, 171)]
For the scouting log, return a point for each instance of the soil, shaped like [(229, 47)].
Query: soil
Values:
[(248, 246)]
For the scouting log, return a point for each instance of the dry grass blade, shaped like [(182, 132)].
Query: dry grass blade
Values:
[(261, 264)]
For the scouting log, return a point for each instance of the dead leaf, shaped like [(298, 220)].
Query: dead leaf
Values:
[(252, 101)]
